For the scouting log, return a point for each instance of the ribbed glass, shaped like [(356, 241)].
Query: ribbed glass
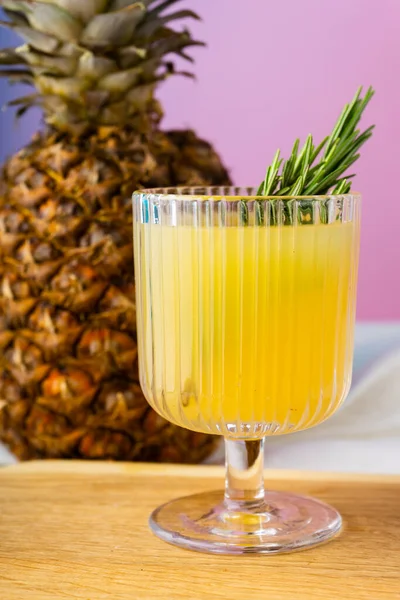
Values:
[(245, 307)]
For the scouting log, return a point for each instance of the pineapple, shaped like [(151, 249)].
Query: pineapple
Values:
[(69, 384)]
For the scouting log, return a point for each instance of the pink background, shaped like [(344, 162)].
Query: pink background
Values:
[(278, 69), (275, 70)]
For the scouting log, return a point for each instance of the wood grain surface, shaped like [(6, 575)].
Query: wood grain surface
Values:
[(78, 530)]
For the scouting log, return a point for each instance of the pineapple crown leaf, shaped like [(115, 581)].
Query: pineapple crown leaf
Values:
[(93, 54), (114, 28), (338, 151)]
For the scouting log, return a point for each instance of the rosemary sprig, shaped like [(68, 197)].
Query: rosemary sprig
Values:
[(320, 170), (271, 177)]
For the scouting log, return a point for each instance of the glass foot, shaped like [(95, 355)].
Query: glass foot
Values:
[(282, 522)]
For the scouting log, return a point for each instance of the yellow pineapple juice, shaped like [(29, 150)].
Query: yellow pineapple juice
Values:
[(246, 329)]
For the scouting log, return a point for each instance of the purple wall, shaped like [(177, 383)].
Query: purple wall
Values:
[(277, 70)]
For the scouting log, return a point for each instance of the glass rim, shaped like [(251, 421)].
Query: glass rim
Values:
[(183, 193)]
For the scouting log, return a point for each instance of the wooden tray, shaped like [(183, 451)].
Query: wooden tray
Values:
[(78, 530)]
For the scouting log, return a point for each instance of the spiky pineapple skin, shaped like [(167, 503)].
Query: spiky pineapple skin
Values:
[(69, 384)]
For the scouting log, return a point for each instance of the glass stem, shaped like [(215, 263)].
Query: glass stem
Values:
[(244, 483)]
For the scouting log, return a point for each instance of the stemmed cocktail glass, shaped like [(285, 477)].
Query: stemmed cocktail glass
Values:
[(245, 311)]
